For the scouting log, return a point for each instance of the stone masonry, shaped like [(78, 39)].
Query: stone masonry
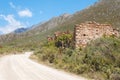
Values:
[(85, 32)]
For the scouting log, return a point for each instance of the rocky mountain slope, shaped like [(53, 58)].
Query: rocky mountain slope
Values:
[(104, 11), (52, 23)]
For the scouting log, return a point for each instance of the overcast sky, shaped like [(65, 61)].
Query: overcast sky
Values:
[(25, 13)]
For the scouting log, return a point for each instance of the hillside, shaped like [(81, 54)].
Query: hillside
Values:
[(104, 11)]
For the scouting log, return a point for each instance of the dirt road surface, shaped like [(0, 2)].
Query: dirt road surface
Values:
[(20, 67)]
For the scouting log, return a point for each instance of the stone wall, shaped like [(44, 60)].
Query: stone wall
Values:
[(85, 32)]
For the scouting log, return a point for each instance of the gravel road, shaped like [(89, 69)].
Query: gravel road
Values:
[(20, 67)]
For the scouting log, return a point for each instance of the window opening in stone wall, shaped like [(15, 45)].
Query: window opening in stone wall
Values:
[(84, 35)]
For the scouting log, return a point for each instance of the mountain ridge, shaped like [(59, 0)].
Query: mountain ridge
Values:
[(35, 29)]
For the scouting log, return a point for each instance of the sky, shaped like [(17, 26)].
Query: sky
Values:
[(16, 14)]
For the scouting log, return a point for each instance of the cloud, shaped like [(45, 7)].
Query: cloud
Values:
[(12, 5), (12, 24), (22, 13), (25, 13)]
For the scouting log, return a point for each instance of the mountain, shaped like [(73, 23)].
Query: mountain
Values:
[(35, 29), (52, 23), (103, 11), (20, 30)]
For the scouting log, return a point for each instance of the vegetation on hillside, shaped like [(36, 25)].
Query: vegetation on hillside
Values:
[(10, 50), (99, 60)]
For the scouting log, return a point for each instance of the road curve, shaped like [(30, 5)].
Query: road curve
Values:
[(20, 67)]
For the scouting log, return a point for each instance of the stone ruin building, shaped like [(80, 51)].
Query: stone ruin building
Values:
[(85, 32)]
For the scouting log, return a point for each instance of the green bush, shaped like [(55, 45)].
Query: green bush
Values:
[(64, 40)]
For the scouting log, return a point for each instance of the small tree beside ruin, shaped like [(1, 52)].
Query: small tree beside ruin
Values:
[(64, 41), (61, 39)]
